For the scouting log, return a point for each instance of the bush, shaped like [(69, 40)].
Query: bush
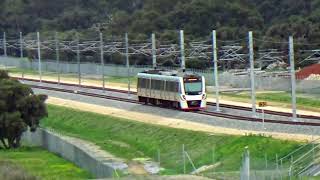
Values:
[(19, 109)]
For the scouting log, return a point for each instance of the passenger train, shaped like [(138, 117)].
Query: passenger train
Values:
[(172, 89)]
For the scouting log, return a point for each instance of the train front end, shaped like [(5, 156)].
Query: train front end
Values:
[(193, 93)]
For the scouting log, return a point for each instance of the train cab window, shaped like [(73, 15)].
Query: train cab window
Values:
[(193, 86)]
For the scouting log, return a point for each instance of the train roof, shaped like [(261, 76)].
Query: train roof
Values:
[(166, 74)]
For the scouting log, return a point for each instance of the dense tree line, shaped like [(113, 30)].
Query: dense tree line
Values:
[(231, 17), (272, 19)]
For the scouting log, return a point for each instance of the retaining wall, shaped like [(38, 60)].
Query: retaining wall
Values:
[(62, 147)]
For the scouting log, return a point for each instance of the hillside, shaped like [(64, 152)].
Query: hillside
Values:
[(233, 18)]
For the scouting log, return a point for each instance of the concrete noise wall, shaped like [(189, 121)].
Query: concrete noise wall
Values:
[(79, 156)]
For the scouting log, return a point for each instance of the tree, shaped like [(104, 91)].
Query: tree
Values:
[(20, 109)]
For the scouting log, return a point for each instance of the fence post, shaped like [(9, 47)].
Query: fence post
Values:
[(21, 51), (127, 61), (213, 149), (57, 56), (215, 61), (266, 159), (102, 61), (78, 59), (246, 165), (183, 60), (183, 159), (154, 51), (293, 79), (277, 165), (39, 56), (252, 74), (159, 157)]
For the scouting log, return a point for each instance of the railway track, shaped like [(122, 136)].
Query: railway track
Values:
[(208, 113), (270, 112), (265, 111)]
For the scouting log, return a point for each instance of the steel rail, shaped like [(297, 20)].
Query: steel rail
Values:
[(270, 112), (209, 113)]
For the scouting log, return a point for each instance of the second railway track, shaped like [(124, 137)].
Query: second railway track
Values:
[(208, 113), (270, 112)]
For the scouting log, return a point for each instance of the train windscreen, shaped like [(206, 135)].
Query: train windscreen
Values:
[(193, 86)]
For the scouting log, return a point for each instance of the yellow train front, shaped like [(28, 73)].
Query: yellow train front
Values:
[(172, 89)]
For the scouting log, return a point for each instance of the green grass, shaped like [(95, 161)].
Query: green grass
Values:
[(279, 97), (40, 163), (130, 139)]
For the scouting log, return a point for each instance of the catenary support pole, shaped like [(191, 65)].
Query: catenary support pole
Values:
[(57, 56), (4, 44), (215, 62), (127, 61), (102, 61), (39, 56), (293, 79), (78, 60), (21, 45), (21, 52), (183, 58), (252, 74), (154, 51)]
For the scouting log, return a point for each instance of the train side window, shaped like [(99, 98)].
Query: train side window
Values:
[(161, 85), (140, 83), (152, 83), (147, 83), (143, 83), (155, 84), (176, 86), (169, 85), (158, 84)]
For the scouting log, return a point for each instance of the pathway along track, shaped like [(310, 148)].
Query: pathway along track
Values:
[(209, 113)]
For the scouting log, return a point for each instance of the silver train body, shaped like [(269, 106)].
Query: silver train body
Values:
[(169, 89)]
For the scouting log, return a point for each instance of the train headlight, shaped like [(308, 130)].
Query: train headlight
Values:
[(183, 98), (204, 97)]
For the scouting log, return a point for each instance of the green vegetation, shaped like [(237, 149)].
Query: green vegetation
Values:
[(272, 19), (20, 109), (232, 17), (304, 102), (130, 139), (36, 162)]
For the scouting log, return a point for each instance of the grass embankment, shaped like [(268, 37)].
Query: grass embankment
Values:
[(130, 139), (283, 99), (35, 162)]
